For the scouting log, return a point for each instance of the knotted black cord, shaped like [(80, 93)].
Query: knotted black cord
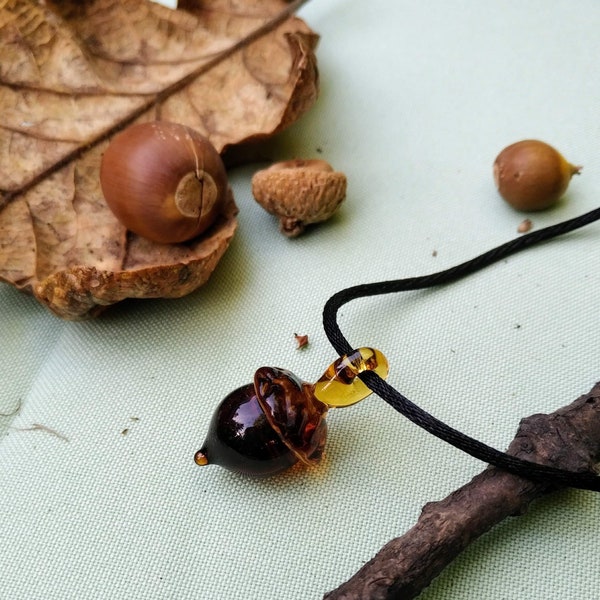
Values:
[(431, 424)]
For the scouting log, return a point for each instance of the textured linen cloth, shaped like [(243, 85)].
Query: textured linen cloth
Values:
[(104, 500)]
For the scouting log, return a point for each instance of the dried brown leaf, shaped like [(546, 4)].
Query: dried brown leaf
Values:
[(74, 73)]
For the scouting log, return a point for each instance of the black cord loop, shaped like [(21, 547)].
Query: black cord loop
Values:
[(431, 424)]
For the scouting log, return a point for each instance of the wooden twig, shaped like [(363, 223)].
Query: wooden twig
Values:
[(568, 438)]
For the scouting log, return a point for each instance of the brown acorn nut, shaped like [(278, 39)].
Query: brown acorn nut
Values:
[(531, 175), (163, 181), (299, 192)]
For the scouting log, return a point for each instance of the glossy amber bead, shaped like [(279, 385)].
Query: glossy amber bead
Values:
[(340, 385)]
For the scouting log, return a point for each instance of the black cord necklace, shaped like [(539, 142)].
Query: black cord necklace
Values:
[(419, 416), (278, 420)]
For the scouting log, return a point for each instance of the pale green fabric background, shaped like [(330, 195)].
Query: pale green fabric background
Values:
[(417, 99)]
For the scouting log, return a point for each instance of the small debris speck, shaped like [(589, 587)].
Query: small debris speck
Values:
[(40, 427), (434, 253), (525, 226), (126, 430), (301, 340)]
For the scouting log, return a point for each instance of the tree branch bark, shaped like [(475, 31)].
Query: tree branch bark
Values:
[(568, 438)]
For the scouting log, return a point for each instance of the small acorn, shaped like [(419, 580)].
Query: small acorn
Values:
[(163, 181), (531, 175)]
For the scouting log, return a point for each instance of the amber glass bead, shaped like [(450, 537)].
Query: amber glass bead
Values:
[(340, 385)]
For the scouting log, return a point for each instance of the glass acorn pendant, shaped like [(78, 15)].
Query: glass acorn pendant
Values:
[(278, 420)]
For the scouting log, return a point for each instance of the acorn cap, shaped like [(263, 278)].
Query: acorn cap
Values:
[(299, 192), (293, 411)]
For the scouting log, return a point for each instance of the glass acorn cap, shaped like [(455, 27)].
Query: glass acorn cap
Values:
[(340, 385)]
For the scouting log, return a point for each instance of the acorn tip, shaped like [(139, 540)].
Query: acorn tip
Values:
[(200, 458)]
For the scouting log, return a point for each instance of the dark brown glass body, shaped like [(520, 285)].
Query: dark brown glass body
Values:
[(265, 427)]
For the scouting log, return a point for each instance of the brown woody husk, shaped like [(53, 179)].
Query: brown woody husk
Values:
[(73, 74)]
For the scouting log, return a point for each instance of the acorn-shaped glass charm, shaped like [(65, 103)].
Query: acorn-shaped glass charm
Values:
[(278, 420)]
